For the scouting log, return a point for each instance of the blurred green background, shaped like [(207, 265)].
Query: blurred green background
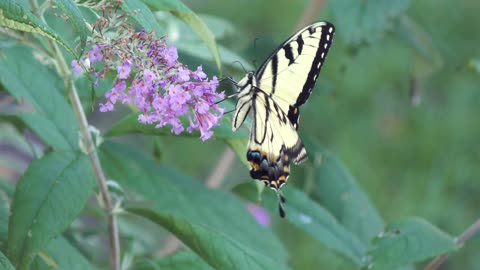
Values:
[(396, 101)]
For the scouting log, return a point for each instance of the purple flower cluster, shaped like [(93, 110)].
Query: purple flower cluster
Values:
[(149, 76)]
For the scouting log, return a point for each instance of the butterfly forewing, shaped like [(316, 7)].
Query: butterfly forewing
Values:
[(290, 73), (274, 94)]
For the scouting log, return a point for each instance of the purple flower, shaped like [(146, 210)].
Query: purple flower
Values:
[(124, 70), (95, 54), (149, 75), (171, 56), (260, 214), (183, 74), (107, 107), (201, 107), (199, 74), (120, 86), (77, 69)]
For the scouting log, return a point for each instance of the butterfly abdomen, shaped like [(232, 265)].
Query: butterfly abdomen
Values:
[(272, 173)]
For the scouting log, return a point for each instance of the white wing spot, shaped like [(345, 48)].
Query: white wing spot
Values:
[(330, 29), (325, 45), (315, 76), (319, 64), (328, 37), (322, 55)]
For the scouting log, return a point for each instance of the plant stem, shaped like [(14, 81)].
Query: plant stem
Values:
[(64, 72), (113, 238), (467, 234), (114, 242)]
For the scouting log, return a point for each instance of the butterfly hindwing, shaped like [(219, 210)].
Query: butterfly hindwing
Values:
[(274, 143), (274, 94)]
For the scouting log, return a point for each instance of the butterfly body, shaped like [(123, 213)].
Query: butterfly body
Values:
[(273, 95)]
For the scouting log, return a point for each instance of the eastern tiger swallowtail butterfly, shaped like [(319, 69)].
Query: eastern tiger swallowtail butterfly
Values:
[(274, 94)]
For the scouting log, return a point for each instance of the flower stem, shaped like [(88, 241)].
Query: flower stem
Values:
[(467, 234), (114, 242), (64, 72)]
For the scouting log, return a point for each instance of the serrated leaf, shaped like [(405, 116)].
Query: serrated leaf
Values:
[(13, 16), (193, 212), (313, 219), (5, 263), (408, 241), (140, 13), (75, 18), (27, 80), (180, 10), (336, 189), (180, 261), (48, 197), (365, 21)]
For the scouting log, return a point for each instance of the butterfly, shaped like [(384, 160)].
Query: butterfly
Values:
[(273, 95)]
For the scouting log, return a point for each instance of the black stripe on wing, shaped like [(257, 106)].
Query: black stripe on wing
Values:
[(324, 43)]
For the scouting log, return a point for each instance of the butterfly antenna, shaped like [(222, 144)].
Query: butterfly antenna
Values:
[(228, 97), (238, 62), (231, 80), (281, 204), (228, 111)]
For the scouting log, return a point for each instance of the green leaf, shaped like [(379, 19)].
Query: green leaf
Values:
[(65, 256), (48, 197), (427, 58), (365, 21), (5, 262), (130, 125), (140, 13), (13, 16), (14, 120), (184, 260), (27, 80), (181, 11), (217, 248), (336, 189), (311, 218), (475, 64), (5, 200), (408, 241), (75, 17), (215, 224)]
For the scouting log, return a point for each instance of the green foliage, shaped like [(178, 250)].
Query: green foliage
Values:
[(62, 183), (5, 263), (387, 160), (366, 21), (29, 81), (177, 8), (407, 241), (178, 261), (13, 16), (314, 220)]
